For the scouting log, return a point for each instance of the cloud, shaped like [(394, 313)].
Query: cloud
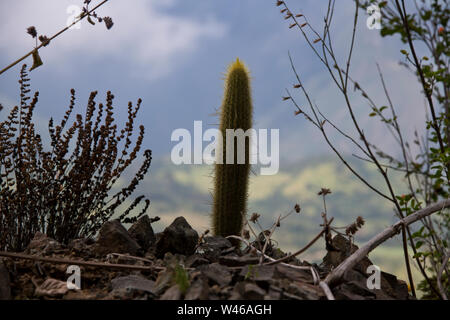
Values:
[(146, 37)]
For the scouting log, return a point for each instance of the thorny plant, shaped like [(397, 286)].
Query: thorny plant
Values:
[(263, 241), (65, 192), (427, 171), (90, 14)]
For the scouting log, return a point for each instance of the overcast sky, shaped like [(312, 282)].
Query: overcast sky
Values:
[(173, 53)]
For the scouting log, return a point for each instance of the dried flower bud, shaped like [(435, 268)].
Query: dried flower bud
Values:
[(297, 206), (32, 31), (154, 219), (254, 217), (292, 25), (279, 3), (45, 41), (298, 15), (297, 112), (303, 25), (296, 86), (351, 229), (355, 226), (317, 40), (324, 191), (108, 22), (286, 98), (360, 221)]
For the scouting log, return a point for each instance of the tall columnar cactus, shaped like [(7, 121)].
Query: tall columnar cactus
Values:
[(231, 180)]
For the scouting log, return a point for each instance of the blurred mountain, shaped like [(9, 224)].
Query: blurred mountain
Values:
[(187, 190)]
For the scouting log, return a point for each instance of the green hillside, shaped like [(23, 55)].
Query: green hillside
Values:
[(185, 190)]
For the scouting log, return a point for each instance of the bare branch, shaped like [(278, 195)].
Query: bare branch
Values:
[(336, 275)]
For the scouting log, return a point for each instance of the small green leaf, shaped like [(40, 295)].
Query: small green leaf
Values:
[(90, 21), (37, 61)]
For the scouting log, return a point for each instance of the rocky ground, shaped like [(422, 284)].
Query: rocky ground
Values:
[(178, 264)]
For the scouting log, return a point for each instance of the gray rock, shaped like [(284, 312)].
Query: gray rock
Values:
[(258, 273), (164, 280), (142, 232), (179, 237), (284, 272), (217, 273), (133, 282), (306, 291), (236, 261), (272, 294), (198, 290), (344, 250), (43, 244), (5, 285), (82, 246), (217, 243), (393, 287), (51, 288), (247, 291), (195, 260), (253, 292), (353, 291), (114, 238), (173, 293)]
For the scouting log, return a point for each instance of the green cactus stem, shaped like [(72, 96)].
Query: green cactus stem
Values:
[(231, 180)]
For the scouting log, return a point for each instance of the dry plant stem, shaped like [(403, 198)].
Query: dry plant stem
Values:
[(53, 37), (402, 11), (78, 262), (336, 275), (303, 249), (268, 238), (131, 257), (401, 143), (266, 256), (316, 278), (408, 266), (439, 276), (326, 290), (318, 124), (343, 77)]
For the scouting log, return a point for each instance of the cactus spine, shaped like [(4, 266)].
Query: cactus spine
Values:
[(231, 180)]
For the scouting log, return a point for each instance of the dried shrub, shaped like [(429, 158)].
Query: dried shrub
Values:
[(65, 192)]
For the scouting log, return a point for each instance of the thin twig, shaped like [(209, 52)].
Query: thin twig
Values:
[(302, 249), (336, 275), (439, 275), (78, 262), (53, 37)]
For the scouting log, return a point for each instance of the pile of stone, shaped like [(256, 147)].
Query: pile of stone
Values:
[(176, 264)]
